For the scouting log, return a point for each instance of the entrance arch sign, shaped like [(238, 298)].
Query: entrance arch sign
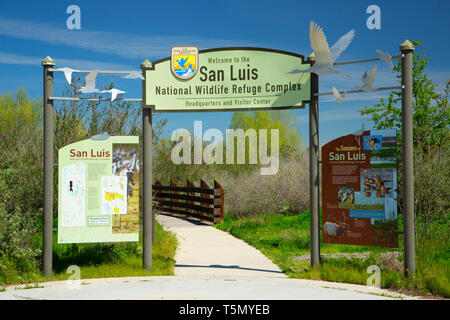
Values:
[(227, 79), (257, 68)]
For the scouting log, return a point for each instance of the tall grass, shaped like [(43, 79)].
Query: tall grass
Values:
[(287, 191), (286, 241), (99, 260)]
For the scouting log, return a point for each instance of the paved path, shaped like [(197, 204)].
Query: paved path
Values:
[(207, 251), (210, 265), (197, 288)]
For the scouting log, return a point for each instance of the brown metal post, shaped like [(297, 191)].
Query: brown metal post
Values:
[(314, 170), (48, 63), (407, 49), (148, 231)]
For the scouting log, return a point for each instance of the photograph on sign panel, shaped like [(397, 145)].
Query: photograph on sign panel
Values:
[(377, 200), (383, 148), (126, 165), (346, 196)]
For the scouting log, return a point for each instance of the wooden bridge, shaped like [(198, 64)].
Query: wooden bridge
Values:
[(202, 202)]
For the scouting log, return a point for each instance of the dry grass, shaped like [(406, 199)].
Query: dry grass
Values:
[(287, 191)]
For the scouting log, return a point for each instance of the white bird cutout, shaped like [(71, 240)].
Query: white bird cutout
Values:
[(339, 97), (358, 134), (133, 75), (101, 136), (324, 56), (368, 80), (114, 93), (386, 57), (89, 86), (67, 73)]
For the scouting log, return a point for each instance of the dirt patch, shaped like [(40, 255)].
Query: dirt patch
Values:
[(390, 261), (355, 255)]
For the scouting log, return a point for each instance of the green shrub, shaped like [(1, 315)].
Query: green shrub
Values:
[(21, 174), (17, 256)]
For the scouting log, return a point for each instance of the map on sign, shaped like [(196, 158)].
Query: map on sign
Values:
[(114, 195), (98, 190), (73, 195)]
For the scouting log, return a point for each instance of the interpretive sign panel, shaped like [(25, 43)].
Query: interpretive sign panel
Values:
[(226, 79), (98, 191), (359, 189)]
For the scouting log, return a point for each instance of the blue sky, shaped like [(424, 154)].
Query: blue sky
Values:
[(119, 35)]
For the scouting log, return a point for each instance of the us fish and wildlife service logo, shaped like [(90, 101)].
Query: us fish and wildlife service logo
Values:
[(184, 62)]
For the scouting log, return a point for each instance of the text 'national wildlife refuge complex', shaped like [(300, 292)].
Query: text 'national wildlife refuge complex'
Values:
[(230, 78)]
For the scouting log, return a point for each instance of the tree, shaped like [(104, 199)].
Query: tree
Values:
[(20, 152), (430, 109), (282, 120), (431, 151)]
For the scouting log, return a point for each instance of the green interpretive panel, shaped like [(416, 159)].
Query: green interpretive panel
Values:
[(98, 191), (227, 79)]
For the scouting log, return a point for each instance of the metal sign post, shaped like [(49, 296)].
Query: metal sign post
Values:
[(407, 49), (148, 196), (48, 63), (314, 170)]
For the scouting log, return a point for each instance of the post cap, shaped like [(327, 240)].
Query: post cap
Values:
[(48, 62), (146, 64), (312, 56), (406, 45)]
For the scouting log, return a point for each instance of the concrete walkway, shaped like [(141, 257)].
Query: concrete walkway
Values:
[(207, 251), (198, 288), (210, 265)]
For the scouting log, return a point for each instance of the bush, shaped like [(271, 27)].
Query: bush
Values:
[(432, 193), (21, 174), (253, 193), (17, 256)]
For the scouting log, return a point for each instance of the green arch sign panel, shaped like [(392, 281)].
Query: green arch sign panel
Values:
[(226, 79)]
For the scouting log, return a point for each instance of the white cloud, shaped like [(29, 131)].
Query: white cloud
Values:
[(18, 59), (118, 43)]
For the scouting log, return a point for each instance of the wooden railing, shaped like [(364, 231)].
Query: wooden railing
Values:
[(200, 202)]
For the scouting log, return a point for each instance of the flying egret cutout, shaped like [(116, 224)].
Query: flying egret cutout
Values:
[(324, 56), (89, 86), (338, 96), (368, 80), (386, 57), (67, 73), (114, 93)]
